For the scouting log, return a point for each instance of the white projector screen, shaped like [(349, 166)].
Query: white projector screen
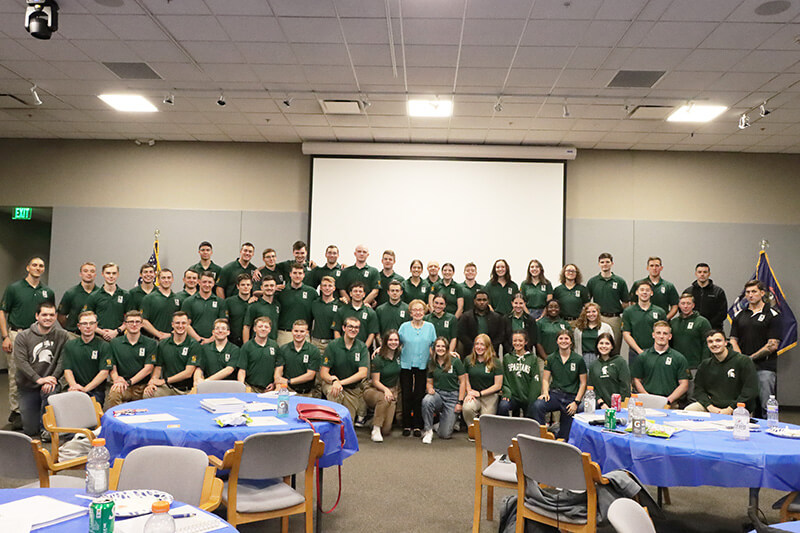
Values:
[(440, 210)]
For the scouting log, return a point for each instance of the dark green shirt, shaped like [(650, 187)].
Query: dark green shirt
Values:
[(565, 375), (660, 373), (536, 295), (639, 323), (447, 381), (469, 294), (183, 295), (324, 270), (724, 384), (87, 359), (367, 275), (21, 300), (212, 267), (214, 360), (689, 337), (227, 276), (413, 292), (258, 362), (391, 316), (610, 377), (296, 363), (446, 325), (109, 308), (342, 362), (571, 300), (324, 315), (158, 309), (131, 358), (260, 308), (135, 297), (450, 292), (295, 305), (549, 331), (237, 310), (383, 285), (264, 271), (173, 359), (203, 312), (72, 304), (521, 380), (664, 293), (500, 297), (285, 268), (365, 314), (609, 293), (389, 370), (480, 376)]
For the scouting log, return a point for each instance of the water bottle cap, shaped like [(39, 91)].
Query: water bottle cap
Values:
[(634, 395), (98, 442), (639, 404), (771, 396), (740, 404), (160, 506), (590, 387)]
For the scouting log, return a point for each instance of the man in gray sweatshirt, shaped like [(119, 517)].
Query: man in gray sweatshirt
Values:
[(37, 352)]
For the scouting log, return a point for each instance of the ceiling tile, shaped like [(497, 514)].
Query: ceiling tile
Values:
[(699, 10), (239, 7), (430, 56), (767, 61), (432, 31), (188, 27), (133, 27), (677, 34), (746, 12), (507, 9), (496, 32), (711, 60), (108, 51), (739, 36), (82, 27), (250, 29), (163, 51), (557, 33), (311, 30), (543, 56), (365, 31)]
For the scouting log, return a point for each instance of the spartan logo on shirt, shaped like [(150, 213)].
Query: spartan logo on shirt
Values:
[(357, 356), (214, 305), (572, 367), (305, 358), (453, 291), (732, 373), (655, 315), (177, 301), (761, 318), (119, 299), (668, 361), (271, 350), (690, 325), (543, 288), (44, 294), (141, 352), (42, 352), (604, 371), (402, 314), (519, 368), (447, 323), (305, 295), (366, 273), (424, 290), (335, 308), (577, 294), (227, 357), (94, 355), (613, 284), (364, 315), (509, 290), (185, 351)]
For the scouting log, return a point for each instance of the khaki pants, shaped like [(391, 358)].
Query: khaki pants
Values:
[(13, 393), (616, 327), (482, 405), (164, 390), (384, 411), (284, 337), (695, 406), (321, 344), (350, 397), (132, 393)]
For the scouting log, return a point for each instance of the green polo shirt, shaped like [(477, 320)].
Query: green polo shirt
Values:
[(237, 309), (135, 297), (447, 380), (549, 331), (324, 314), (450, 292), (689, 337), (536, 294), (264, 271), (21, 300), (285, 268), (446, 325), (260, 308), (571, 300), (173, 359), (521, 380), (724, 384), (212, 267), (295, 305), (297, 362), (500, 297), (86, 359), (203, 312), (228, 274), (660, 373), (214, 360), (131, 358), (342, 362), (609, 293), (383, 285), (324, 270), (367, 275), (158, 309), (72, 304), (664, 293), (183, 295), (469, 294), (639, 323), (565, 375), (388, 369), (589, 339), (413, 292), (391, 316), (258, 362), (365, 314), (109, 308), (480, 375), (610, 377)]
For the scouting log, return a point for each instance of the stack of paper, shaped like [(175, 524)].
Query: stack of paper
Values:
[(199, 523), (223, 405), (39, 511)]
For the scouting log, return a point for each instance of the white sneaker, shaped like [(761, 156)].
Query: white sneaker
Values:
[(376, 434), (427, 437)]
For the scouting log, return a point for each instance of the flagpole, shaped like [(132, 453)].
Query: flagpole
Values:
[(764, 245)]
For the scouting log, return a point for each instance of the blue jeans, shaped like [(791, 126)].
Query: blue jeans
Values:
[(767, 384), (442, 402), (536, 313), (31, 407), (510, 407), (559, 400), (589, 358)]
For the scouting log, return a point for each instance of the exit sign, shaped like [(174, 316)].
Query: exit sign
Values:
[(22, 213)]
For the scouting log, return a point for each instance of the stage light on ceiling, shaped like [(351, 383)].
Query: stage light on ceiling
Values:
[(762, 110), (169, 99), (744, 121), (38, 101)]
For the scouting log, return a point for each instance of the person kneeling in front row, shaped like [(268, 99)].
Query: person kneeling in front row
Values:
[(446, 387)]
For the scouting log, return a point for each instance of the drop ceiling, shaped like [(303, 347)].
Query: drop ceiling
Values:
[(530, 56)]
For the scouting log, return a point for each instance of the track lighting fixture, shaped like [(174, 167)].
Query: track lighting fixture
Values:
[(37, 100), (498, 106), (221, 100), (169, 99), (288, 101), (365, 103), (744, 121), (762, 109), (565, 111)]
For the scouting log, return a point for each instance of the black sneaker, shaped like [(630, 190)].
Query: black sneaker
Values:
[(15, 419), (417, 432), (360, 422), (406, 432)]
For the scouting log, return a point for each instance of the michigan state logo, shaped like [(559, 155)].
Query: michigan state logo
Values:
[(94, 354), (214, 305), (357, 356), (447, 323), (577, 294), (453, 291), (227, 357), (668, 361), (655, 315), (177, 301), (185, 351), (119, 299), (271, 350), (364, 315), (542, 288), (509, 290), (613, 284), (366, 274), (572, 367), (731, 373), (305, 358), (141, 352), (604, 370), (424, 290), (44, 294), (663, 290), (402, 314), (690, 325), (305, 295), (335, 308)]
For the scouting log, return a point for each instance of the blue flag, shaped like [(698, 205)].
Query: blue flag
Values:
[(775, 298), (153, 262)]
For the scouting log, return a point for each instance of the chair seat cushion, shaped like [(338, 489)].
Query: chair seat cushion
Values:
[(502, 471), (555, 516), (259, 496), (60, 482)]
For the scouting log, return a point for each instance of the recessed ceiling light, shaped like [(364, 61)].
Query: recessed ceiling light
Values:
[(430, 108), (133, 103), (696, 113)]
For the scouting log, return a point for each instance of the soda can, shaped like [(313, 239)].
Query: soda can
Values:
[(611, 419), (101, 515), (616, 402)]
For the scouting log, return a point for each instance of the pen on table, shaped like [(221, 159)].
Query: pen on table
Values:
[(183, 515)]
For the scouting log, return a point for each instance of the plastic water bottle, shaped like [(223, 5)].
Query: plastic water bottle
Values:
[(638, 420), (97, 468), (283, 402), (589, 401), (772, 412), (160, 521), (741, 421)]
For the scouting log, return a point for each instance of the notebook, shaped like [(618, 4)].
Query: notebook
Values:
[(199, 523), (39, 511)]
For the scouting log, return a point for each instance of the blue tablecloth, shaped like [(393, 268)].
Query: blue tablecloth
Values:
[(786, 526), (76, 525), (691, 459), (196, 427)]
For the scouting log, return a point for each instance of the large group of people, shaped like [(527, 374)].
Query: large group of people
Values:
[(416, 349)]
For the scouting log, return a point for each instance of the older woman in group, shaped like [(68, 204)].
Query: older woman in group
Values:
[(416, 336), (588, 328), (446, 387), (384, 386), (484, 379)]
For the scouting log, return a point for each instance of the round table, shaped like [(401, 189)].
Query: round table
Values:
[(80, 524), (195, 427)]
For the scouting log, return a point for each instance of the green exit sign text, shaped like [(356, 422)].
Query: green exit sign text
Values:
[(22, 213)]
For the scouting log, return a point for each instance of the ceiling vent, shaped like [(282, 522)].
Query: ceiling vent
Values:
[(636, 79), (651, 112), (341, 107), (132, 71)]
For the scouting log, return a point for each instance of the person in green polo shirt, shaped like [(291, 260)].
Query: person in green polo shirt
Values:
[(609, 374), (610, 292), (563, 385), (300, 253), (205, 251), (724, 379), (384, 387), (550, 325), (394, 311), (357, 308), (446, 388), (500, 287), (258, 358), (266, 305), (446, 324), (359, 271), (345, 365), (470, 286), (237, 306), (484, 379), (147, 278), (415, 288), (571, 295), (220, 358), (296, 300), (660, 369), (689, 330), (536, 289), (298, 363), (203, 309), (87, 359), (190, 281), (270, 268), (665, 295), (226, 279), (452, 291), (519, 319), (109, 304), (323, 311), (134, 357), (159, 306), (522, 383), (177, 358), (638, 320), (75, 298), (331, 267), (386, 276), (587, 329)]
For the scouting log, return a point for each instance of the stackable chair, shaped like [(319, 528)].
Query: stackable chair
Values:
[(219, 387), (70, 413), (627, 516), (24, 458)]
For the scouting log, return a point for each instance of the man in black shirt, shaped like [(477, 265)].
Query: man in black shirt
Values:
[(481, 319), (709, 299)]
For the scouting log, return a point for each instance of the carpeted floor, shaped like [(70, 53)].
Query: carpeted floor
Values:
[(404, 486)]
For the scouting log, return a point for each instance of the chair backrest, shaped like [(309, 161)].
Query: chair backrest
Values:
[(220, 386), (652, 401), (178, 471), (627, 516), (552, 462), (497, 431), (73, 409), (16, 456), (275, 454)]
